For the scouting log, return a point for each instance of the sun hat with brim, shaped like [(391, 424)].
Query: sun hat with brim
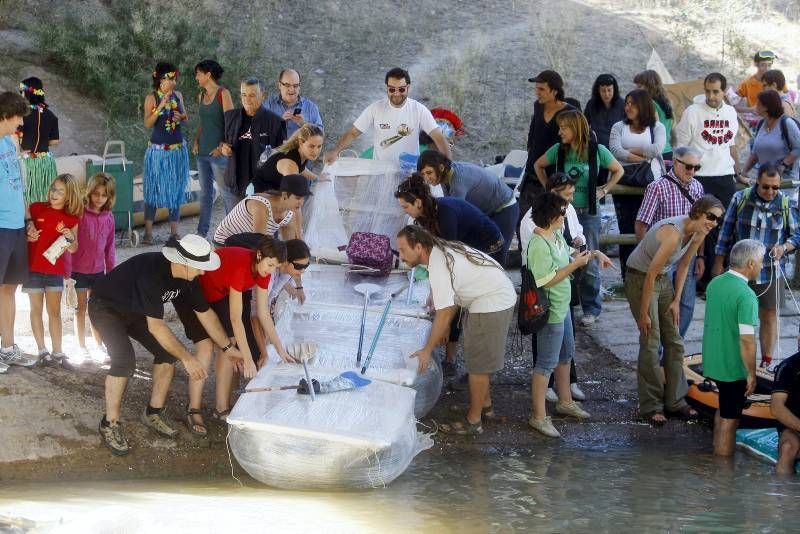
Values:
[(191, 250)]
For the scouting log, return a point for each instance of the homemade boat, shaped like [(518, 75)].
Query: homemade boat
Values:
[(704, 396), (363, 437)]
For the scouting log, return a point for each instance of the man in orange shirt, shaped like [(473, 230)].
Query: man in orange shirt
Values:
[(752, 85)]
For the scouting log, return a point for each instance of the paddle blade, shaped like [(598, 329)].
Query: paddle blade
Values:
[(343, 382)]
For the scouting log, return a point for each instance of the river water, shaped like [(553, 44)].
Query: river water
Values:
[(557, 489)]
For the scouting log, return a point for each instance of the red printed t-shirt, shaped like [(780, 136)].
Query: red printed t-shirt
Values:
[(235, 272), (50, 221)]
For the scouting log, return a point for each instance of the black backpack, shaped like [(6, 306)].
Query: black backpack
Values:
[(784, 129)]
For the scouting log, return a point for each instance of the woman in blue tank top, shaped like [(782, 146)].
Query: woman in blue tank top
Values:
[(166, 161)]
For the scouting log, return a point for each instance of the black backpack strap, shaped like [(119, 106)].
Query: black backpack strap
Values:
[(593, 171), (561, 157)]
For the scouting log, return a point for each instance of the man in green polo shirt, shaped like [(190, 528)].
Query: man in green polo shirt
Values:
[(729, 345)]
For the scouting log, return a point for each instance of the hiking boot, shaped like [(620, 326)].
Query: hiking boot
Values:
[(14, 356), (577, 392), (113, 438), (544, 426), (551, 395), (571, 409), (158, 423)]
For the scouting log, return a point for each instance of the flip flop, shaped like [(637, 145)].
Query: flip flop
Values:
[(656, 418), (686, 413), (462, 427), (487, 412)]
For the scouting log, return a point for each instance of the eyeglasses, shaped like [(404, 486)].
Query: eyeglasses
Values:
[(290, 85), (768, 187), (694, 168), (299, 266), (560, 179), (713, 217), (392, 90), (57, 191)]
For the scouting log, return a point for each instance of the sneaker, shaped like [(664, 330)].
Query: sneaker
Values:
[(45, 358), (114, 439), (551, 395), (14, 356), (577, 392), (571, 409), (58, 358), (448, 369), (147, 240), (544, 426), (3, 368), (158, 424), (588, 320), (766, 361)]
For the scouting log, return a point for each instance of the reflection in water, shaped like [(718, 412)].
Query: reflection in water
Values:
[(547, 490)]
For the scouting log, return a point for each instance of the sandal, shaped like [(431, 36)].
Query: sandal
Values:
[(462, 428), (685, 413), (222, 416), (486, 412), (197, 429), (656, 418)]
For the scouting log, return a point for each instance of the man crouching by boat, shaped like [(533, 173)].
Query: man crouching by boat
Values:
[(729, 342), (785, 408), (462, 276)]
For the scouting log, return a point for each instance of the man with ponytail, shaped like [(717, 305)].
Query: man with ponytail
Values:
[(462, 276)]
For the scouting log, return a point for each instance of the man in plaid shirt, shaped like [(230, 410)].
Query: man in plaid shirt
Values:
[(669, 196), (764, 213)]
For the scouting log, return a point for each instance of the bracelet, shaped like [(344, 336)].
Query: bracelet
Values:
[(227, 347), (298, 287)]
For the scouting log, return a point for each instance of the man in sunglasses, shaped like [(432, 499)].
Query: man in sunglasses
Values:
[(395, 122), (765, 214), (672, 195)]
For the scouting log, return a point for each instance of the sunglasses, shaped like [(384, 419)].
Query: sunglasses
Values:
[(299, 266), (57, 191), (713, 217), (768, 187), (694, 168), (393, 90)]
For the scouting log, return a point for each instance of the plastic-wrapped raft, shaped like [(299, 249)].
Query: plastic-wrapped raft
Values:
[(359, 438)]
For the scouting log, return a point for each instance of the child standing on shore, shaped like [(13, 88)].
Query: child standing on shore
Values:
[(97, 254), (53, 220)]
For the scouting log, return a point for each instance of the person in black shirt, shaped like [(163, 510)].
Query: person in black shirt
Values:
[(543, 131), (39, 133), (249, 131), (785, 407), (605, 108), (128, 303)]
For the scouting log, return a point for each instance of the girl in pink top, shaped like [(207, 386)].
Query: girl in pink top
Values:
[(97, 253)]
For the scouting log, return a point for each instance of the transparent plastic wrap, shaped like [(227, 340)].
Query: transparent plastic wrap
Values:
[(333, 285), (359, 198), (361, 438), (335, 333)]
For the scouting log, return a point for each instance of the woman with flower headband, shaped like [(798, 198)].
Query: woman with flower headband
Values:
[(39, 133), (166, 161)]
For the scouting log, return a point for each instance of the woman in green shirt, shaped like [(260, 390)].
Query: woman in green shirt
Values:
[(548, 258), (572, 156)]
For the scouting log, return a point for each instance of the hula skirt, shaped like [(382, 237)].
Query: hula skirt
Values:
[(166, 175), (40, 171)]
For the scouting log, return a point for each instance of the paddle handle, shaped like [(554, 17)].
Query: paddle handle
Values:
[(361, 333), (262, 390), (377, 335)]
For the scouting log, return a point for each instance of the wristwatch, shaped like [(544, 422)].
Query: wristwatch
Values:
[(227, 347)]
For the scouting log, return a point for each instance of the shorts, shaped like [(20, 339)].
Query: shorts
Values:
[(40, 282), (84, 282), (117, 329), (766, 294), (731, 398), (196, 332), (485, 340), (13, 256)]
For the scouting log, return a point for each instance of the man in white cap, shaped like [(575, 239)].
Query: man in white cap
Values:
[(128, 303)]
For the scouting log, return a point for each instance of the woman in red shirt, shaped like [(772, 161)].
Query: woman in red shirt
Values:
[(47, 223), (241, 269)]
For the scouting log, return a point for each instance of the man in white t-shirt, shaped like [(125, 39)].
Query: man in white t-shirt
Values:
[(711, 127), (462, 276), (396, 123)]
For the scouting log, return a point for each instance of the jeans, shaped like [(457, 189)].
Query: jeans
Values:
[(687, 298), (211, 169), (591, 302), (654, 396), (150, 213), (722, 187), (555, 345), (573, 373), (506, 220)]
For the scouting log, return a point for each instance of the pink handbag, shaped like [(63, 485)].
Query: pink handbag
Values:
[(374, 251)]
